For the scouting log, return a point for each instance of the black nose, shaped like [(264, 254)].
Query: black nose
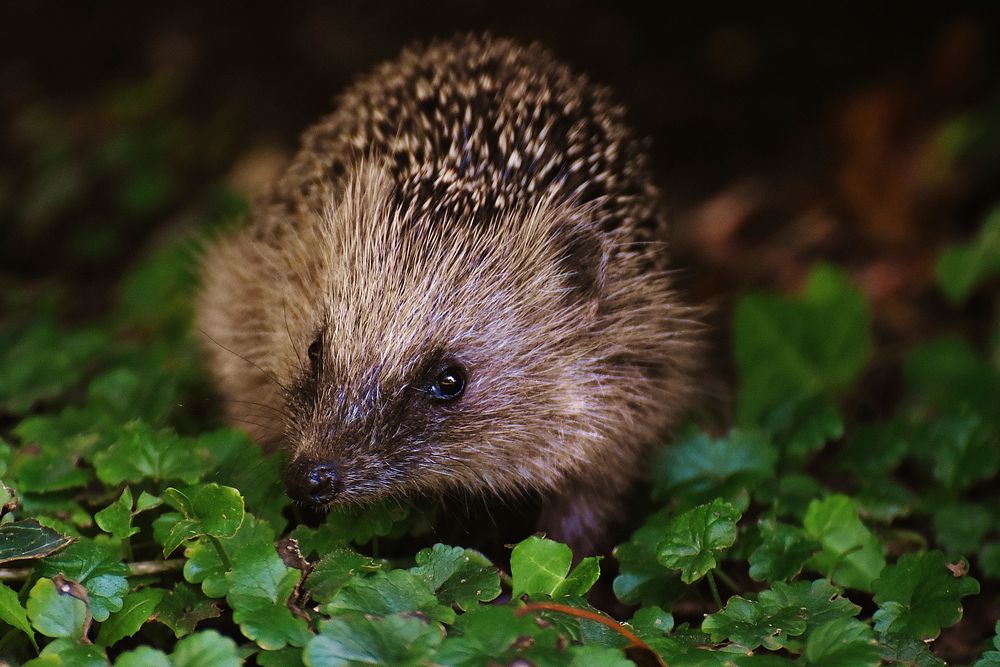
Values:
[(312, 482)]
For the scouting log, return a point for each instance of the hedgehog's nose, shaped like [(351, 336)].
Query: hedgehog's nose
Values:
[(314, 483)]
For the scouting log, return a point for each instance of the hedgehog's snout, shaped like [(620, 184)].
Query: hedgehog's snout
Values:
[(311, 482)]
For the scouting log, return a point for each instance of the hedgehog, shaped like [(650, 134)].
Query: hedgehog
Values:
[(458, 284)]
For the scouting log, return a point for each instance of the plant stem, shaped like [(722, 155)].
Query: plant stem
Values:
[(715, 589), (223, 556), (137, 568), (728, 581)]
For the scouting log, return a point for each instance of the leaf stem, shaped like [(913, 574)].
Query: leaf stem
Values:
[(223, 556), (727, 580), (715, 589)]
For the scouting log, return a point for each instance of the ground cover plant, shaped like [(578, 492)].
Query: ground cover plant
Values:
[(844, 510), (138, 531)]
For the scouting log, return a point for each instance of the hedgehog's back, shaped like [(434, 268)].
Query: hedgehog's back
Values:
[(475, 126)]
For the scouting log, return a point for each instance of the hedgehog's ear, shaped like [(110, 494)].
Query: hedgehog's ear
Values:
[(583, 261)]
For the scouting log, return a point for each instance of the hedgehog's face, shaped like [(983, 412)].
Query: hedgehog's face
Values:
[(434, 361)]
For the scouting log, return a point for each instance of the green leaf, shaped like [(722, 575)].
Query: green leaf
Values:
[(750, 624), (948, 376), (540, 566), (71, 653), (260, 585), (387, 593), (141, 452), (963, 267), (490, 633), (845, 642), (817, 344), (205, 649), (360, 640), (641, 578), (919, 595), (144, 656), (695, 540), (239, 463), (204, 565), (13, 614), (29, 539), (458, 576), (803, 425), (207, 509), (699, 469), (782, 553), (138, 609), (286, 657), (116, 518), (98, 568), (851, 556), (55, 613), (898, 649), (45, 362), (183, 608), (361, 524), (961, 527), (335, 569), (992, 658), (965, 450), (989, 560)]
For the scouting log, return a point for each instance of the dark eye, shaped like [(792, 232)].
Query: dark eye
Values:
[(449, 384), (315, 353)]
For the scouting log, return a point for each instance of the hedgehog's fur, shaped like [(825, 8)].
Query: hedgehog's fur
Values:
[(473, 201)]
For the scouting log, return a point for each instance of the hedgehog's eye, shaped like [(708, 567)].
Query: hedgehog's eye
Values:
[(315, 353), (449, 384)]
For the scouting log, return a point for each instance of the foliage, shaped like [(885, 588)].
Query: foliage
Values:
[(137, 531)]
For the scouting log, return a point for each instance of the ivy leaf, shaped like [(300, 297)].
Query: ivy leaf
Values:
[(947, 376), (699, 469), (803, 425), (116, 518), (141, 452), (29, 539), (207, 509), (138, 609), (845, 642), (69, 652), (98, 568), (183, 608), (965, 450), (335, 569), (388, 593), (205, 567), (43, 363), (540, 566), (361, 640), (814, 345), (13, 614), (458, 576), (992, 658), (144, 656), (962, 267), (751, 624), (360, 524), (695, 539), (898, 649), (489, 633), (961, 527), (919, 595), (851, 556), (641, 578), (205, 649), (782, 553), (260, 585), (54, 613), (239, 463), (819, 599)]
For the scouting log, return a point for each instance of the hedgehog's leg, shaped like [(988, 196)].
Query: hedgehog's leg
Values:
[(583, 517)]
